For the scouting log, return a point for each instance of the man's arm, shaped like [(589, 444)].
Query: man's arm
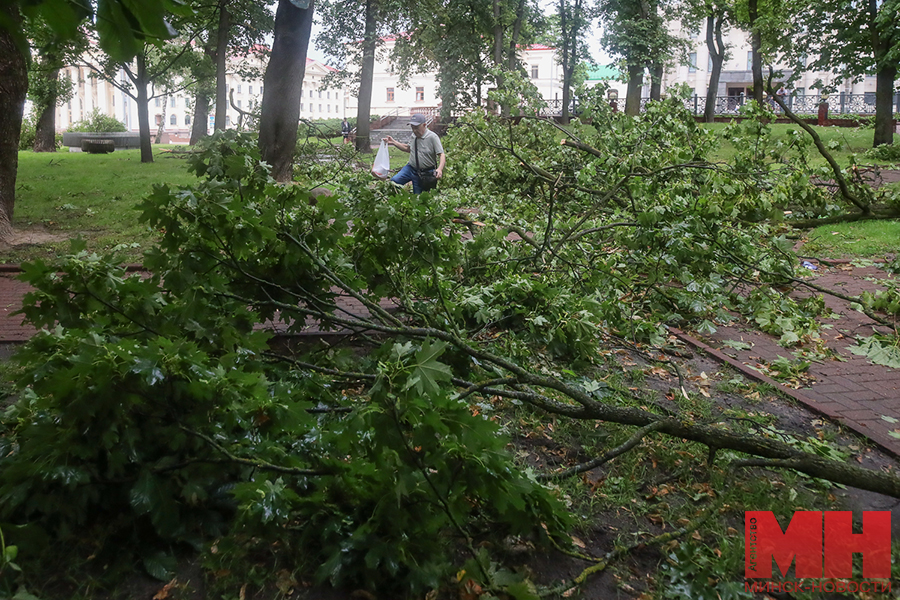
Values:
[(399, 145), (442, 160)]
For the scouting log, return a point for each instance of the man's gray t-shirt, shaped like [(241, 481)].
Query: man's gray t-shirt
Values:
[(429, 148)]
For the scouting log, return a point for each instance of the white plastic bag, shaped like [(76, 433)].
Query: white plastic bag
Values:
[(382, 167)]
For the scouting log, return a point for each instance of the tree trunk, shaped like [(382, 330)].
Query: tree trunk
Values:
[(884, 105), (756, 46), (162, 120), (45, 128), (13, 88), (498, 50), (633, 93), (716, 46), (201, 116), (221, 64), (366, 76), (143, 108), (284, 83), (566, 59), (656, 75)]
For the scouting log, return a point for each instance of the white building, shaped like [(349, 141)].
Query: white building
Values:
[(175, 111), (736, 80)]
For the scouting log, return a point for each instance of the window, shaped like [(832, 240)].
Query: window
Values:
[(310, 93), (390, 94), (320, 108), (187, 119), (302, 107), (172, 101), (800, 92), (327, 108), (328, 95), (749, 60), (173, 120), (709, 64), (227, 120), (239, 89), (692, 62), (534, 71), (156, 101), (320, 93), (420, 94), (250, 89), (260, 90), (158, 119)]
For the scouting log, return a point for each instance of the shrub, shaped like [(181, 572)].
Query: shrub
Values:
[(98, 121), (29, 131)]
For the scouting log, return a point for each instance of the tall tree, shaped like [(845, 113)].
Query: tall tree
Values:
[(851, 39), (13, 88), (459, 39), (352, 33), (152, 67), (121, 26), (574, 21), (283, 85), (636, 31)]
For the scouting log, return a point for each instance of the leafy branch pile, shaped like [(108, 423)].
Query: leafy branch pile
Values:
[(158, 406)]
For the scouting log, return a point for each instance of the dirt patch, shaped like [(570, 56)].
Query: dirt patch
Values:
[(21, 238)]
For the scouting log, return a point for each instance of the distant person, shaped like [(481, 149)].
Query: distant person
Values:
[(426, 160), (346, 130)]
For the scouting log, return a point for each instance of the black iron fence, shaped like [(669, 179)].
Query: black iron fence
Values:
[(838, 104)]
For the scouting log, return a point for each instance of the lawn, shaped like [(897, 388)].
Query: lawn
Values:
[(862, 239), (850, 139), (71, 194)]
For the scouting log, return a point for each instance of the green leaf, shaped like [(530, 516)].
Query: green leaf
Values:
[(160, 565), (888, 419), (878, 351), (737, 345), (428, 371)]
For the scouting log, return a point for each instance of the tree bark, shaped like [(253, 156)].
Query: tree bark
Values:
[(162, 120), (143, 108), (366, 77), (567, 58), (284, 83), (884, 105), (201, 116), (756, 46), (221, 66), (656, 75), (633, 93), (716, 46), (45, 128), (13, 88)]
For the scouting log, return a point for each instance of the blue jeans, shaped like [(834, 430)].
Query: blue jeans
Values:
[(406, 174)]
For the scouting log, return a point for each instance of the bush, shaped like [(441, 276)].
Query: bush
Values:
[(98, 121), (884, 152), (29, 131)]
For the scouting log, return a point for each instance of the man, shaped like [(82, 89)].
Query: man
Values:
[(346, 130), (426, 155)]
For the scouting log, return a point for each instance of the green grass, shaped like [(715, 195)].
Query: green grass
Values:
[(71, 194), (863, 239), (851, 140)]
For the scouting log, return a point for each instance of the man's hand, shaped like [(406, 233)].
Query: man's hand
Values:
[(438, 173), (389, 140)]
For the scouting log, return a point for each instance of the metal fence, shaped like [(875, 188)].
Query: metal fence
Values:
[(842, 104)]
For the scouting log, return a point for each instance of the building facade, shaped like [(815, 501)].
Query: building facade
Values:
[(175, 111)]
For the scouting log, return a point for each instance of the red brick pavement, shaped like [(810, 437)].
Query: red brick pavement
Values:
[(850, 390)]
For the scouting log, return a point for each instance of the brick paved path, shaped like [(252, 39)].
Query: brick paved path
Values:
[(852, 390)]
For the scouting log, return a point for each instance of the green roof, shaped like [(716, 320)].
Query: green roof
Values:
[(601, 72)]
